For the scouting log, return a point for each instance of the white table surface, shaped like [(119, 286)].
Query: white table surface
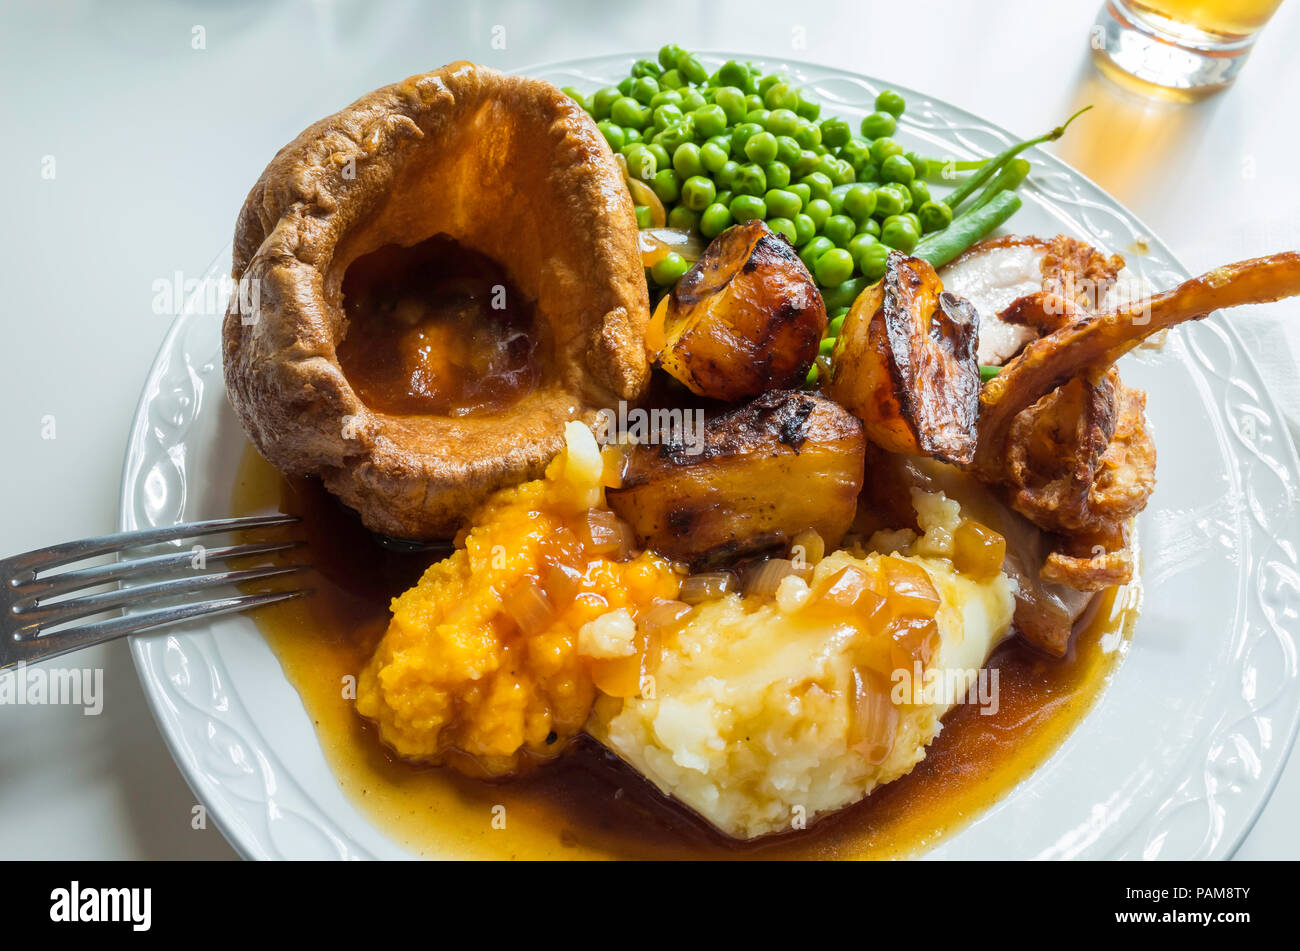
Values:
[(155, 144)]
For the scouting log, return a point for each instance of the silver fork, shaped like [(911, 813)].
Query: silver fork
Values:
[(28, 611)]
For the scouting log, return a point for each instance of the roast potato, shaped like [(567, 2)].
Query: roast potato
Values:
[(765, 471), (746, 318), (905, 364)]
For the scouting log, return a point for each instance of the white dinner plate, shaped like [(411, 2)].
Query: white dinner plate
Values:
[(1175, 760)]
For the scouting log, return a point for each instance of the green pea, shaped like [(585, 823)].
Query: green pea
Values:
[(802, 190), (724, 197), (805, 163), (715, 220), (897, 168), (668, 55), (750, 180), (828, 165), (871, 226), (783, 204), (859, 202), (856, 152), (669, 269), (628, 112), (808, 135), (770, 80), (661, 155), (904, 196), (684, 218), (916, 222), (761, 148), (787, 149), (753, 101), (726, 176), (603, 99), (691, 68), (898, 232), (919, 164), (692, 99), (686, 160), (826, 346), (878, 125), (834, 267), (887, 203), (732, 102), (778, 174), (781, 96), (815, 249), (890, 102), (934, 215), (641, 163), (920, 192), (840, 229), (782, 122), (808, 109), (741, 134), (873, 261), (858, 245), (671, 80), (819, 184), (736, 74), (835, 133), (747, 208), (698, 192), (644, 89), (669, 115), (712, 157), (758, 117), (667, 185), (819, 210), (844, 173), (836, 326), (666, 97), (883, 148), (783, 226), (643, 216), (804, 229), (612, 132), (837, 199), (625, 85), (673, 136), (869, 172)]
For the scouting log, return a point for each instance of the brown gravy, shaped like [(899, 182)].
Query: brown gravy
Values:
[(437, 329), (587, 804)]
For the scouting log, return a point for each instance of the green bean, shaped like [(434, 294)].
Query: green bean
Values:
[(987, 171), (942, 246)]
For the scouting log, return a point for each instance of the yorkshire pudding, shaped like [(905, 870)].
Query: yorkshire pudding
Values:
[(513, 173)]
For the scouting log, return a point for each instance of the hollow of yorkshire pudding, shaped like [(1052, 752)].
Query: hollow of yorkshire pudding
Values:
[(504, 171)]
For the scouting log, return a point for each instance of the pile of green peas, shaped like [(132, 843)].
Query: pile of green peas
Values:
[(733, 146)]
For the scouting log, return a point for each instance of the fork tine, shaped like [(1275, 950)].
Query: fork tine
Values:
[(43, 589), (87, 635), (55, 555), (38, 619)]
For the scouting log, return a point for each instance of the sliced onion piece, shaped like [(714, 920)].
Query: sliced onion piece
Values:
[(658, 243), (708, 586), (763, 580), (604, 533), (529, 607), (663, 616), (873, 723)]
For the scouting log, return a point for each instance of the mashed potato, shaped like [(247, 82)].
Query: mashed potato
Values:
[(762, 717), (492, 658)]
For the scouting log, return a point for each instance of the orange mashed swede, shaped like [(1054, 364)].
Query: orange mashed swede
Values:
[(491, 663)]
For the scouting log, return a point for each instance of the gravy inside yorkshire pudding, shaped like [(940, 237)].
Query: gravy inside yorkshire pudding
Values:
[(432, 282)]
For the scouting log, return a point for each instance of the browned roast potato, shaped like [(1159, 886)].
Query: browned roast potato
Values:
[(745, 319), (765, 471), (905, 364)]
